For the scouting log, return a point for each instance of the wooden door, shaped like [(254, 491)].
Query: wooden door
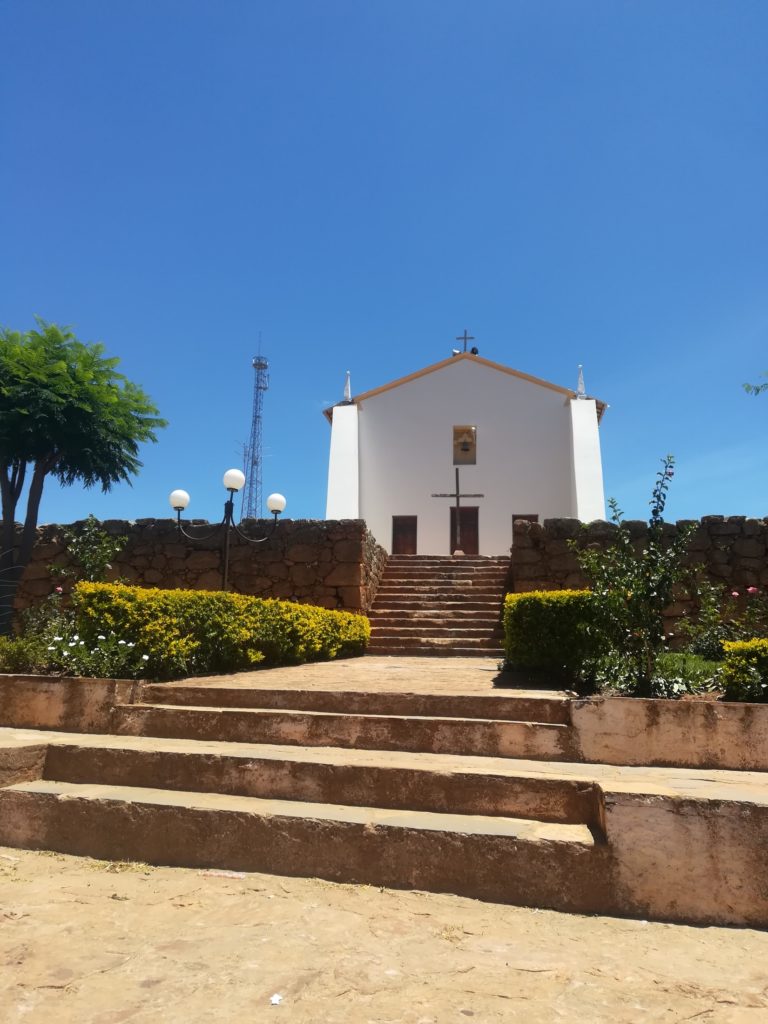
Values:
[(470, 543), (403, 535)]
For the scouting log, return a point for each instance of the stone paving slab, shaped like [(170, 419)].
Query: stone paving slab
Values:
[(466, 676)]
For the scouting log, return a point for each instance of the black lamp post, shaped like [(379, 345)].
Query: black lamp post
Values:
[(233, 481)]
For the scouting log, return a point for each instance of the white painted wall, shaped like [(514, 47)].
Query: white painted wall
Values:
[(524, 461), (588, 498), (343, 500)]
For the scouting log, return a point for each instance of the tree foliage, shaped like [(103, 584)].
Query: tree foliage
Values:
[(65, 411), (757, 389)]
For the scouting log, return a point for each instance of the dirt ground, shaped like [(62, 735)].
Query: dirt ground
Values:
[(96, 943)]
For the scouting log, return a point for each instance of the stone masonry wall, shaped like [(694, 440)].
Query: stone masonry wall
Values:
[(733, 551), (334, 564)]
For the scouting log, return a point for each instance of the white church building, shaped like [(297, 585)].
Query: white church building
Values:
[(512, 446)]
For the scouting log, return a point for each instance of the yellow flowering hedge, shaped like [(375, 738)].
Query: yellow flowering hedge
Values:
[(552, 630), (744, 675), (198, 632)]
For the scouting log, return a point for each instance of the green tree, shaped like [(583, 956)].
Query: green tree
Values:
[(757, 389), (65, 411)]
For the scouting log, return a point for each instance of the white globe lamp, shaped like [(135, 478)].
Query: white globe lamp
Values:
[(234, 479), (178, 500), (276, 503)]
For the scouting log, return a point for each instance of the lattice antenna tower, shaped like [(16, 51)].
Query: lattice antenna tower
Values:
[(252, 489)]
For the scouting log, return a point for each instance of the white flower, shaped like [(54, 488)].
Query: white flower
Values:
[(82, 643), (58, 638), (121, 641), (101, 637), (131, 645), (51, 648), (145, 657), (76, 637), (71, 643), (65, 653)]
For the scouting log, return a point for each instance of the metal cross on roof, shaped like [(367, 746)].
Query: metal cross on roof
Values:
[(465, 337)]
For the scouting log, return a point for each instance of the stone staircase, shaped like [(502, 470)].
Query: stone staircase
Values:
[(441, 605), (481, 794), (401, 790)]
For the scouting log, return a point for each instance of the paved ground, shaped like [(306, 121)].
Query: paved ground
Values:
[(472, 676), (95, 943)]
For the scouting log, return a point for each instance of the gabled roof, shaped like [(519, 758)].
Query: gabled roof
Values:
[(567, 393)]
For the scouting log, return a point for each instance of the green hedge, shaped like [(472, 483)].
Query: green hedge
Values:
[(744, 675), (196, 632), (550, 630)]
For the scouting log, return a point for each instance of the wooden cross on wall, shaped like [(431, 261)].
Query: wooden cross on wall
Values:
[(458, 496)]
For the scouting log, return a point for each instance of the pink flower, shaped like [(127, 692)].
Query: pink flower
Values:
[(734, 593), (59, 590), (751, 590)]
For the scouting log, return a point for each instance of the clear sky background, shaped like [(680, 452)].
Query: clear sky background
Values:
[(575, 181)]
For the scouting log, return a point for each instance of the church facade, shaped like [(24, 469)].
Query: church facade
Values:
[(508, 444)]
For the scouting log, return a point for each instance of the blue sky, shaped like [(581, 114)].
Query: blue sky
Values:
[(576, 181)]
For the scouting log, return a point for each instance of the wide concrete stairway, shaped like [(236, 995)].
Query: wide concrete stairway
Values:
[(479, 792), (392, 789), (428, 604)]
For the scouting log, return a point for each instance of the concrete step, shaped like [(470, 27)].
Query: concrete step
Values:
[(503, 859), (436, 616), (470, 643), (471, 560), (429, 651), (438, 593), (408, 602), (395, 780), (433, 630), (496, 706), (405, 573), (483, 737)]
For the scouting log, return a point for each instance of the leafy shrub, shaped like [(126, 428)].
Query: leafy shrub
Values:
[(632, 588), (22, 654), (744, 675), (194, 632), (725, 614), (93, 550), (104, 657), (552, 630)]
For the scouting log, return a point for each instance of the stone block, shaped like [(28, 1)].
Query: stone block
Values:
[(731, 527), (153, 576), (302, 575), (563, 564), (351, 598), (575, 581), (347, 575), (637, 528), (203, 560), (561, 528), (301, 553), (210, 580), (557, 547), (348, 550), (700, 541), (753, 527), (749, 546), (38, 571), (526, 572), (527, 556)]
